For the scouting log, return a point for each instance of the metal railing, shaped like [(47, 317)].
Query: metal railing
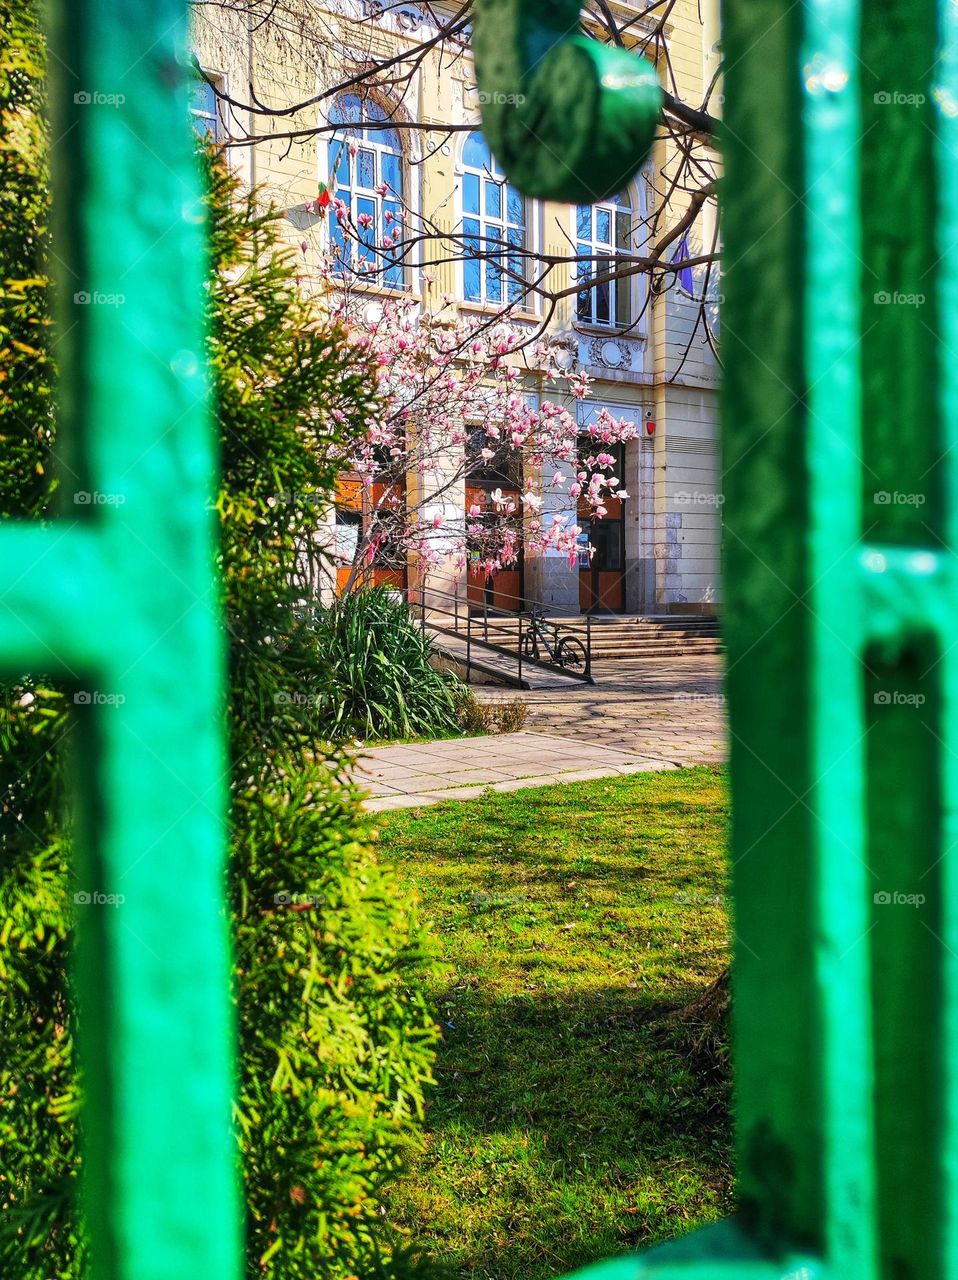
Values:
[(524, 635)]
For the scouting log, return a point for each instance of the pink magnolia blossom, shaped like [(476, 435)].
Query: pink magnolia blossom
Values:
[(440, 377)]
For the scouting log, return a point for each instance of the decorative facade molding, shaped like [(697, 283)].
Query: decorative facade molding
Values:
[(610, 353), (407, 18)]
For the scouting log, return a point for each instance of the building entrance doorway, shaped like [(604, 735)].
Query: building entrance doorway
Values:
[(602, 579)]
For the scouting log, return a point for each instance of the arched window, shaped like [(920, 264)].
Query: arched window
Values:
[(604, 233), (366, 174), (494, 225)]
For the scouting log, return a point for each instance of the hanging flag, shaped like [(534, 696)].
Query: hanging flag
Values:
[(684, 276)]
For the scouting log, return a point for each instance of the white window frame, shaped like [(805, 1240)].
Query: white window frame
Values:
[(370, 142), (635, 287), (492, 227), (211, 80)]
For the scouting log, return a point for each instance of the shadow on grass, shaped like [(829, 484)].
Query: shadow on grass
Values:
[(564, 1130)]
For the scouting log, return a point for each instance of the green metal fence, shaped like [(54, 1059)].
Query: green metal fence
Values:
[(118, 598), (839, 435), (840, 209)]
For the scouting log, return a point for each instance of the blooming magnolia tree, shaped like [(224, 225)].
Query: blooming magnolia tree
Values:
[(455, 405)]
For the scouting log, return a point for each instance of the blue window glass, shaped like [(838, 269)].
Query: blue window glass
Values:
[(392, 225), (476, 154), (392, 172), (203, 108), (366, 169), (472, 276), (493, 281), (494, 214), (604, 232), (378, 162), (470, 193), (584, 297), (348, 111), (601, 293)]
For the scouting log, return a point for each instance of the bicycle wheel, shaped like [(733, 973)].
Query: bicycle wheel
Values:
[(571, 653), (530, 649)]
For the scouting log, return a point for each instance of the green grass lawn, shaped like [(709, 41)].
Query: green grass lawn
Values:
[(576, 1114)]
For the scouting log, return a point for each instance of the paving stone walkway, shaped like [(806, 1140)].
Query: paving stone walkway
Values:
[(642, 715), (670, 708)]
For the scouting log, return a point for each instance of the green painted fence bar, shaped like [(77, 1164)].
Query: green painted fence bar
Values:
[(840, 439), (117, 598), (840, 443)]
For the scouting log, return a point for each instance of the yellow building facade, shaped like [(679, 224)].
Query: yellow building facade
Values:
[(651, 358)]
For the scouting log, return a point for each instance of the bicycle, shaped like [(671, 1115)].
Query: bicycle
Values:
[(567, 652)]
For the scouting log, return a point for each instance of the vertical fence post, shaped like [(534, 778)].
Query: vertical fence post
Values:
[(840, 454), (519, 650), (123, 601), (588, 645)]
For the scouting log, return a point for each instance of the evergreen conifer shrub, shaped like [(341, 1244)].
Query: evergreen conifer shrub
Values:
[(335, 1037)]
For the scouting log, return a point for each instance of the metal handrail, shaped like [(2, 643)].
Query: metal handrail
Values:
[(434, 606)]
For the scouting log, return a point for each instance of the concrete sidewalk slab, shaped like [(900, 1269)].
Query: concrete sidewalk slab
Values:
[(403, 777)]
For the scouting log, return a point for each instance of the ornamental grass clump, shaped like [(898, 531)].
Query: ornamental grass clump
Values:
[(381, 672)]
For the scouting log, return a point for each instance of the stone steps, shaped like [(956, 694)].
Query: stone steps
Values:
[(614, 639), (617, 638)]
